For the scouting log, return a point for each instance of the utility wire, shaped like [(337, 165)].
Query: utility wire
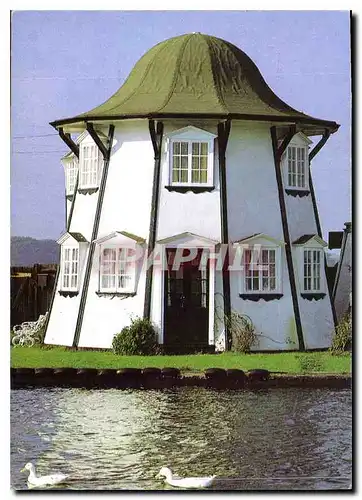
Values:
[(36, 152), (31, 136)]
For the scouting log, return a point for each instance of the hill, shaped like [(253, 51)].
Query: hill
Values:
[(26, 251)]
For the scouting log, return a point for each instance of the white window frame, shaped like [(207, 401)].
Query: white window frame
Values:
[(191, 135), (298, 146), (71, 172), (90, 165), (70, 268), (256, 255), (118, 257), (314, 275)]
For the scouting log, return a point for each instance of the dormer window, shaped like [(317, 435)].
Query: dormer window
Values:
[(191, 158), (295, 164), (91, 162), (297, 167)]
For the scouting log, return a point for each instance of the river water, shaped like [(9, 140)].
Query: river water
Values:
[(294, 439)]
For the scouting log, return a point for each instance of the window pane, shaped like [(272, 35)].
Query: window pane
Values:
[(195, 177), (183, 175), (176, 148), (184, 148), (195, 148), (203, 176), (204, 148)]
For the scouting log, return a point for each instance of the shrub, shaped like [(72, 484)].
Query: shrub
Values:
[(138, 338), (243, 333), (342, 340)]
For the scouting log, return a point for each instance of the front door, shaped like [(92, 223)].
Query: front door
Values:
[(186, 320)]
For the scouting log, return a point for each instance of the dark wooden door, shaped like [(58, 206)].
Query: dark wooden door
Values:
[(186, 320)]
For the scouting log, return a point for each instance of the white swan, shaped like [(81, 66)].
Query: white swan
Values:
[(186, 482), (50, 480)]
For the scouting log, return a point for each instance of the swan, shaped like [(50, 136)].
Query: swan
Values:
[(186, 482), (50, 480)]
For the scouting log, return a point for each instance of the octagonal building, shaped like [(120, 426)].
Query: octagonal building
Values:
[(190, 202)]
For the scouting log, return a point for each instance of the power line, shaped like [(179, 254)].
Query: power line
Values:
[(31, 136), (36, 152)]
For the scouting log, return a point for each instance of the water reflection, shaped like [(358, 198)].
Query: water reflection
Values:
[(120, 439)]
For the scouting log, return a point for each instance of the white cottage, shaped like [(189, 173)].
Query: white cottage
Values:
[(189, 197)]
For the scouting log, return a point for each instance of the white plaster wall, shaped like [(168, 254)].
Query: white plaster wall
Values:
[(252, 191), (317, 322), (300, 213), (128, 192), (64, 312), (83, 214), (344, 286), (68, 207), (198, 213), (316, 315), (273, 320), (107, 315), (62, 321)]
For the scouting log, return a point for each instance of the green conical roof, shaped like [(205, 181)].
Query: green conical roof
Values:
[(193, 75)]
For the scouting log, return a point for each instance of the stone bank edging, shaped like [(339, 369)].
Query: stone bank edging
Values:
[(158, 378)]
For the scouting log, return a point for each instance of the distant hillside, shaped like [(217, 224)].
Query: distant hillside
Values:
[(26, 251)]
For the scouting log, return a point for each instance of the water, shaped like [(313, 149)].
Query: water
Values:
[(115, 440)]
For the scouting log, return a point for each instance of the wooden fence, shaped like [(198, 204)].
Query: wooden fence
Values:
[(31, 291)]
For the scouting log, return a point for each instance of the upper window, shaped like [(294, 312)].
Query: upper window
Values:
[(71, 172), (297, 167), (296, 164), (191, 157), (91, 162), (312, 270), (70, 265)]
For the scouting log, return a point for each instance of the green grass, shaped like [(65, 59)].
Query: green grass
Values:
[(60, 357)]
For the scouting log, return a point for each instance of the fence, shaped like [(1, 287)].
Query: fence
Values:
[(31, 291)]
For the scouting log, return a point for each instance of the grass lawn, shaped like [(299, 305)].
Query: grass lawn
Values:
[(60, 357)]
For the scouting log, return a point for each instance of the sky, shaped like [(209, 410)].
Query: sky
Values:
[(67, 62)]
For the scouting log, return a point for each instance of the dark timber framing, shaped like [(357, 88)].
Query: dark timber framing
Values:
[(311, 155), (156, 134), (69, 142), (223, 131), (283, 211), (106, 152)]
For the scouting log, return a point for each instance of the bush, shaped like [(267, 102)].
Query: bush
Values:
[(138, 338), (243, 333), (342, 340)]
